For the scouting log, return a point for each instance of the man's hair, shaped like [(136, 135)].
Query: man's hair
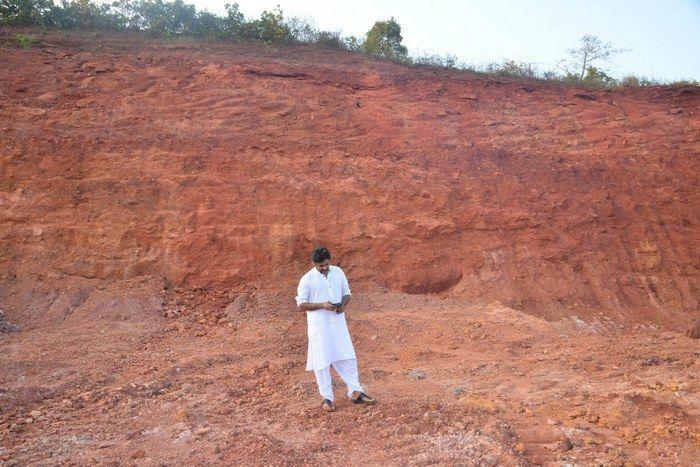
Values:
[(320, 254)]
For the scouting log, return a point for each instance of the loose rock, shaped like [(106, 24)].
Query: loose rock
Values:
[(202, 431), (6, 326), (182, 437), (235, 307)]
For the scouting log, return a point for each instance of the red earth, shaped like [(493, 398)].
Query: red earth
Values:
[(523, 258)]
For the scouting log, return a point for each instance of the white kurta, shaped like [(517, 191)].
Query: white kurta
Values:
[(329, 339)]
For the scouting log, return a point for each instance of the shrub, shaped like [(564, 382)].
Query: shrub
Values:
[(231, 23), (270, 27), (384, 40), (596, 78), (513, 68), (354, 44), (23, 12), (330, 39), (209, 25), (165, 18), (438, 61), (550, 75), (81, 14), (685, 82), (570, 79), (301, 30), (25, 41), (635, 81)]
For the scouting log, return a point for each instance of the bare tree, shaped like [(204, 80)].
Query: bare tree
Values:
[(591, 50)]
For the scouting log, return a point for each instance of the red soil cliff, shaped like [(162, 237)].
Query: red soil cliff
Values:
[(218, 165)]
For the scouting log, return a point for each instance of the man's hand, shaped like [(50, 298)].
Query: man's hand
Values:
[(328, 306), (343, 304)]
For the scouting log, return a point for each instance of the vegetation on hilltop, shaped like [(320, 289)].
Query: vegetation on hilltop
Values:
[(162, 18)]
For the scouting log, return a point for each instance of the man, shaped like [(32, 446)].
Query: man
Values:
[(323, 294)]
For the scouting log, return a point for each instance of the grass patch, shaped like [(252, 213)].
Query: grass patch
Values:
[(25, 41)]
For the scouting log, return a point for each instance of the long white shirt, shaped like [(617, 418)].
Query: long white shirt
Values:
[(329, 339)]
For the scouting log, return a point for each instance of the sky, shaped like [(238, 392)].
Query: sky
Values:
[(662, 36)]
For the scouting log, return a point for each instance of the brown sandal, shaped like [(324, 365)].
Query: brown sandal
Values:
[(327, 405), (362, 398)]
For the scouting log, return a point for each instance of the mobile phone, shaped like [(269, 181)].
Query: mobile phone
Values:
[(337, 305)]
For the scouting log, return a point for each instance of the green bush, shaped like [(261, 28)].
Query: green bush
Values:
[(231, 23), (209, 25), (166, 19), (353, 44), (384, 40), (438, 61), (685, 82), (330, 39), (270, 27), (301, 30), (596, 78), (25, 41), (635, 81), (568, 78), (81, 14), (23, 12), (513, 68)]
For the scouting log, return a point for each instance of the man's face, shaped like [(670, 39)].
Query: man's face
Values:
[(323, 267)]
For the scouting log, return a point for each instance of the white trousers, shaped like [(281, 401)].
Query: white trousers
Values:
[(347, 369)]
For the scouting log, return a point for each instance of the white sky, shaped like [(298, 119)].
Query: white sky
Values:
[(663, 35)]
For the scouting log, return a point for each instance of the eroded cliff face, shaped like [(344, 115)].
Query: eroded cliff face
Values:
[(220, 165)]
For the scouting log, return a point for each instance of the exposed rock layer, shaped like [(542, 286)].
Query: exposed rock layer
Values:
[(221, 165)]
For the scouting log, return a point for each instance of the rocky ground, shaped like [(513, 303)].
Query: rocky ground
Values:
[(119, 382)]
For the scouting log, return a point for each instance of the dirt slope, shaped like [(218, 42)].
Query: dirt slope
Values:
[(522, 258), (221, 165), (117, 383)]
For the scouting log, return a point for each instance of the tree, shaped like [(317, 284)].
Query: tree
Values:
[(233, 21), (81, 14), (271, 27), (353, 44), (330, 39), (209, 25), (23, 12), (165, 18), (597, 78), (384, 40), (591, 50)]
